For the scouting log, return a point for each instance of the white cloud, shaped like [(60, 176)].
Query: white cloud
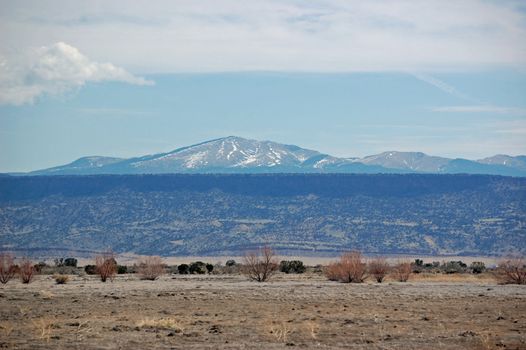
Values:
[(53, 70), (284, 35), (482, 109)]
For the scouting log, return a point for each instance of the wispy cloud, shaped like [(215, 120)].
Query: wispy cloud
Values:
[(54, 70), (441, 85), (514, 111), (284, 35)]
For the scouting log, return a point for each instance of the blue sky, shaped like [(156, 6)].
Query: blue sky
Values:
[(341, 77)]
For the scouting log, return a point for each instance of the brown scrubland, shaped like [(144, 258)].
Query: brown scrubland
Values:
[(263, 304)]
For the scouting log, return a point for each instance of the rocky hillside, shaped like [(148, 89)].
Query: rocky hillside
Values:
[(298, 214)]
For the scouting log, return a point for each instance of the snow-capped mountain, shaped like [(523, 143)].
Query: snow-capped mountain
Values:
[(414, 161), (238, 155)]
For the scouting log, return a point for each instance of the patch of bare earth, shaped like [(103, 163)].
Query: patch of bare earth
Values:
[(228, 312)]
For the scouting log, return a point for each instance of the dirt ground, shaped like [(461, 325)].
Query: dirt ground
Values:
[(292, 311)]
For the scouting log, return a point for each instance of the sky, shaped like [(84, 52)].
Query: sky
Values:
[(347, 78)]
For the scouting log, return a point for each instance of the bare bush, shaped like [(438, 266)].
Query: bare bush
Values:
[(349, 269), (26, 270), (378, 268), (353, 268), (150, 268), (7, 267), (402, 271), (106, 266), (260, 265), (512, 271), (332, 271)]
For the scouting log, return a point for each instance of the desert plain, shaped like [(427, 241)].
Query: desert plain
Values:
[(303, 311)]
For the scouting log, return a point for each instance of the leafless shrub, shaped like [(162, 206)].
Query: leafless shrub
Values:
[(7, 267), (150, 268), (61, 279), (349, 269), (402, 271), (332, 271), (512, 271), (26, 270), (106, 266), (378, 268), (260, 265)]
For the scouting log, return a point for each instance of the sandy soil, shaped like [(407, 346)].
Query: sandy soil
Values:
[(228, 312)]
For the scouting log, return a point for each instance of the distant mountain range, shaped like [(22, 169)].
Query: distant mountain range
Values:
[(238, 155)]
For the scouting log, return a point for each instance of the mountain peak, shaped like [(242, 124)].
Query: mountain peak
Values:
[(235, 154)]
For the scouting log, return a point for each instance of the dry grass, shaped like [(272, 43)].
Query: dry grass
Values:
[(161, 323), (280, 331), (24, 310), (46, 294), (43, 328), (313, 329), (61, 279), (7, 328), (453, 277)]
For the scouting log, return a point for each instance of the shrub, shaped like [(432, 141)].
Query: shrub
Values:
[(260, 265), (454, 267), (230, 263), (332, 271), (197, 267), (70, 262), (183, 269), (352, 268), (7, 267), (512, 271), (209, 268), (477, 267), (61, 279), (150, 268), (122, 269), (293, 266), (402, 271), (26, 271), (90, 269), (106, 266), (349, 269), (378, 268)]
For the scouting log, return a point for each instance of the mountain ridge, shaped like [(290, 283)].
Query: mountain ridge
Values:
[(233, 154)]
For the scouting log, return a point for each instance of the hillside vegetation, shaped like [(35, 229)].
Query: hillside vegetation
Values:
[(297, 214)]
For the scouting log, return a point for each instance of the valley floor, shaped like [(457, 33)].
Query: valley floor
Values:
[(228, 312)]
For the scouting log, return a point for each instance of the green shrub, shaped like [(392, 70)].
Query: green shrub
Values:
[(90, 269), (230, 263), (477, 267), (454, 267), (122, 269), (70, 262), (197, 267), (292, 266), (209, 268), (183, 269)]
